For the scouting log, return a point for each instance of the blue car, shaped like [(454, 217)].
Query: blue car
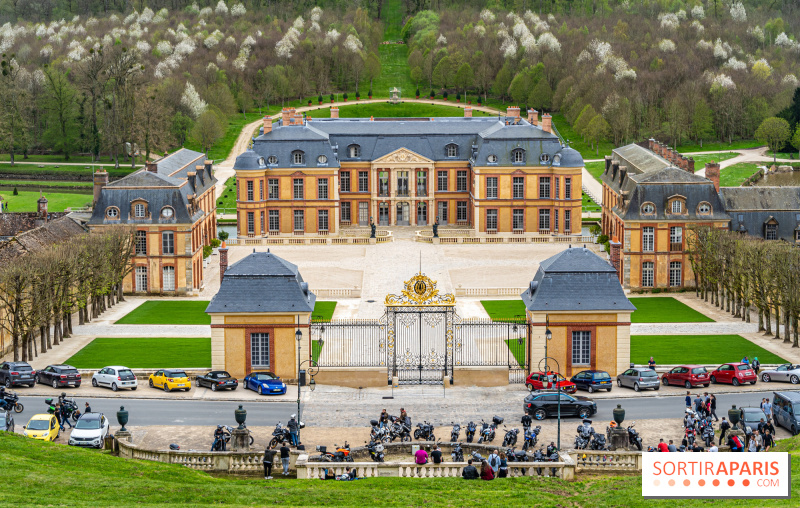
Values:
[(592, 380), (265, 383)]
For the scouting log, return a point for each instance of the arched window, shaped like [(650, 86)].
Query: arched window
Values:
[(298, 157), (451, 150), (557, 160), (544, 158), (272, 160), (492, 159), (518, 156), (322, 159), (704, 208), (648, 209), (676, 206), (139, 211), (354, 151), (112, 212)]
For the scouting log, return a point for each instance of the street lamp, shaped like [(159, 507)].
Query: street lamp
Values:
[(312, 370), (547, 336)]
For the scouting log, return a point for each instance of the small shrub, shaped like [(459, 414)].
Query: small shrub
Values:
[(358, 95), (656, 291), (444, 95), (369, 94), (344, 96), (607, 247), (319, 99), (595, 229), (223, 235), (333, 97), (602, 239), (215, 242), (480, 100), (16, 192), (458, 97), (433, 94), (207, 250)]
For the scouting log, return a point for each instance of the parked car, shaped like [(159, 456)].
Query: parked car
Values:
[(639, 378), (217, 380), (170, 379), (58, 376), (542, 405), (6, 420), (592, 380), (786, 411), (90, 430), (735, 373), (115, 377), (750, 418), (265, 383), (549, 381), (686, 375), (43, 427), (16, 373), (787, 372)]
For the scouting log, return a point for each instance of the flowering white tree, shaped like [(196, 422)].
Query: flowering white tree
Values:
[(734, 64), (352, 44), (790, 79), (191, 99), (143, 46), (783, 40), (316, 14), (441, 40), (722, 81), (509, 47), (549, 41), (738, 12), (332, 36), (487, 16), (698, 12), (719, 50), (666, 45), (146, 16), (221, 8), (669, 20), (698, 27), (238, 10), (205, 12), (479, 30)]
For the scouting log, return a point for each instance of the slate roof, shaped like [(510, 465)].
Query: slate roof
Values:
[(262, 282), (476, 139), (636, 159), (13, 223), (576, 279), (34, 240), (757, 205)]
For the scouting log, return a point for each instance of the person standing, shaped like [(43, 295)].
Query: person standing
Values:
[(285, 458), (293, 427), (767, 408), (88, 409), (724, 426), (759, 440), (494, 462), (712, 404), (269, 458), (651, 364), (756, 365), (503, 471), (698, 405), (769, 441), (59, 418), (688, 399), (65, 417), (752, 445)]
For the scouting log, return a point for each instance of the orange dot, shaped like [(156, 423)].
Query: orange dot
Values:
[(656, 482), (731, 483), (701, 483), (672, 483), (686, 483), (716, 483), (746, 483)]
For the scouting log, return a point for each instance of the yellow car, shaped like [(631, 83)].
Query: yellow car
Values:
[(170, 379), (43, 426)]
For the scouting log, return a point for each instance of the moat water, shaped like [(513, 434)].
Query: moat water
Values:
[(788, 179)]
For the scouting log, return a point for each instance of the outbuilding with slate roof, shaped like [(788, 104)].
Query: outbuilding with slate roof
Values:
[(577, 296)]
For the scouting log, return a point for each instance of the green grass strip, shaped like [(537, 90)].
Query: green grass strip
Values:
[(167, 312), (143, 353), (665, 309), (700, 349)]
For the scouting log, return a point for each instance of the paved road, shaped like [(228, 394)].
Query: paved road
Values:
[(191, 412)]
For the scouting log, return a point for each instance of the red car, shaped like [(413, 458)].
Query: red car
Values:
[(734, 373), (686, 375), (549, 381)]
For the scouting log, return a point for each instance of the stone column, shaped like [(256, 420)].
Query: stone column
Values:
[(240, 440)]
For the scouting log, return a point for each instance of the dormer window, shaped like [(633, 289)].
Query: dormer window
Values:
[(518, 156), (354, 151), (648, 209), (112, 212), (451, 150), (322, 159), (676, 206), (139, 211), (261, 163), (272, 160), (557, 160), (298, 157), (544, 158), (492, 159), (704, 208)]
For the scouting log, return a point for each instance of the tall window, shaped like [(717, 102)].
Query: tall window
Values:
[(675, 238), (519, 187), (298, 188), (263, 225), (141, 243), (518, 221), (363, 181), (422, 183), (322, 188), (544, 187), (491, 187), (648, 239), (355, 151), (544, 220), (251, 222), (273, 188), (274, 220), (141, 278), (675, 277), (556, 180), (299, 220), (452, 151), (581, 348), (491, 220), (461, 210), (555, 221), (567, 188), (461, 181), (677, 206), (771, 232), (383, 183), (344, 181), (647, 274), (138, 211), (441, 181), (442, 212), (298, 157), (518, 156), (345, 210), (168, 242), (568, 221), (259, 350), (168, 276), (402, 183), (322, 220)]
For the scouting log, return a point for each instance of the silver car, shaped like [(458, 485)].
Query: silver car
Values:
[(788, 372), (639, 379)]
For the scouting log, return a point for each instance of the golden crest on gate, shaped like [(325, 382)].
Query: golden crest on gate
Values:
[(420, 290)]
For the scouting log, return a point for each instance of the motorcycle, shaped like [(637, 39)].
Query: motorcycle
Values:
[(455, 432), (516, 456), (221, 438), (457, 454), (690, 435), (70, 408), (471, 428), (281, 434), (539, 456), (585, 433), (531, 436), (376, 451), (510, 438), (633, 436), (598, 442), (399, 429), (379, 432), (707, 432), (249, 434), (690, 413), (342, 453), (488, 430), (424, 432), (12, 401)]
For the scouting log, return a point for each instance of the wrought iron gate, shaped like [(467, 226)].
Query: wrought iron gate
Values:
[(419, 352)]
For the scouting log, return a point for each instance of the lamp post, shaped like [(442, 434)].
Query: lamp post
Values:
[(312, 371), (547, 336)]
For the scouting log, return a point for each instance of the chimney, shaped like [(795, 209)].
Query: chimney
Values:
[(614, 169), (334, 112), (151, 166), (623, 171), (608, 163), (690, 165), (512, 112), (100, 180), (286, 115), (190, 175), (547, 125), (223, 260), (684, 163), (199, 170), (651, 144), (42, 207), (533, 117), (209, 165), (267, 124), (297, 118), (468, 112), (712, 173)]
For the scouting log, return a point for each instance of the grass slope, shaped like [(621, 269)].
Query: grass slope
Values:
[(596, 169), (576, 140), (716, 146), (100, 479), (26, 200), (701, 349), (589, 205), (323, 311), (735, 175), (701, 160), (144, 353), (504, 310), (664, 309), (46, 184), (227, 201), (166, 312), (386, 110)]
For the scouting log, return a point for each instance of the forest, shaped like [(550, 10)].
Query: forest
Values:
[(105, 77)]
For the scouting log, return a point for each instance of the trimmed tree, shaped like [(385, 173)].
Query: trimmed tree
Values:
[(775, 132)]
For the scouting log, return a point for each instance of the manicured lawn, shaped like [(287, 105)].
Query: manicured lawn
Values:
[(589, 205), (105, 480), (700, 349), (144, 353), (227, 201), (386, 110), (5, 157), (66, 172), (576, 140), (716, 146), (45, 184), (504, 310), (224, 145), (25, 200), (701, 160), (517, 349), (664, 309), (596, 169), (735, 175), (167, 312), (323, 311)]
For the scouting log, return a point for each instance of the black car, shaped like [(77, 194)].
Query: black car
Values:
[(59, 376), (217, 380), (16, 373), (6, 421), (542, 405)]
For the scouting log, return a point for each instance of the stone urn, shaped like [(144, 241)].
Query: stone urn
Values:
[(619, 414), (733, 415), (122, 418), (240, 415)]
